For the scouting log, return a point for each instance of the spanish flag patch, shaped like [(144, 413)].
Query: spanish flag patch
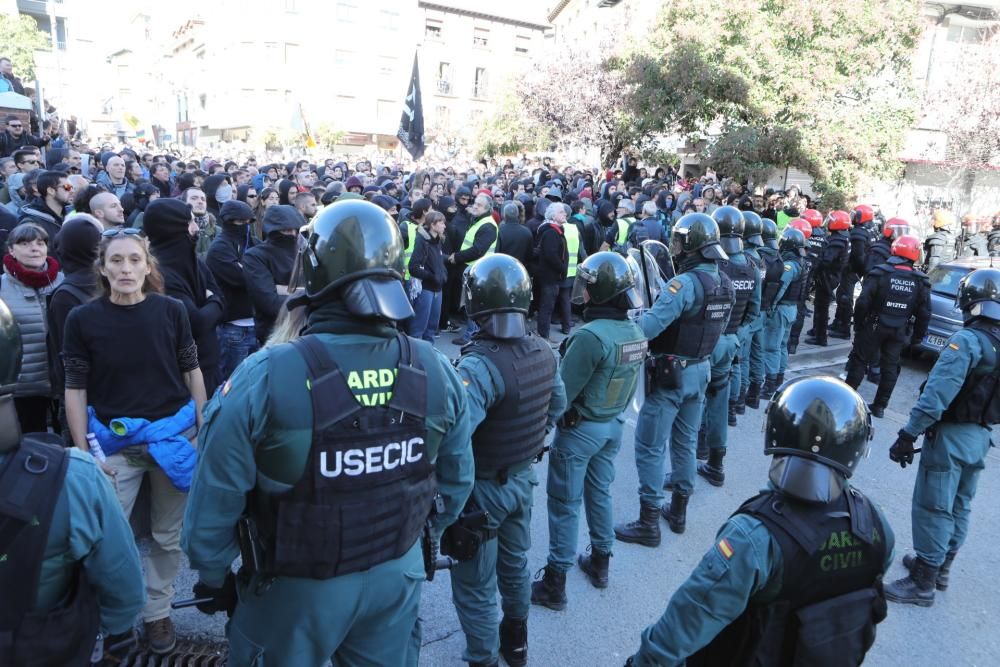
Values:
[(226, 387), (953, 346), (674, 286), (725, 548)]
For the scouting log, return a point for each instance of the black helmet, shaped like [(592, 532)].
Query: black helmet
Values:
[(498, 287), (792, 240), (355, 254), (818, 429), (769, 233), (730, 221), (979, 294), (752, 227), (603, 276), (10, 346), (696, 234)]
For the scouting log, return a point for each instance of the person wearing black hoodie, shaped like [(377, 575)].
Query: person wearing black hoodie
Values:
[(46, 210), (551, 263), (169, 225), (535, 222), (218, 189), (427, 264), (606, 211), (76, 245), (267, 266), (237, 339), (456, 228), (515, 238)]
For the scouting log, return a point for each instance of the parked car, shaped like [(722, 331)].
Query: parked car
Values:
[(946, 318)]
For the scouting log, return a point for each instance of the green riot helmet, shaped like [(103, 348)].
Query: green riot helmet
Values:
[(696, 235), (498, 295), (979, 294), (752, 228), (817, 428), (731, 225), (355, 255), (604, 276), (794, 241), (10, 346), (769, 232)]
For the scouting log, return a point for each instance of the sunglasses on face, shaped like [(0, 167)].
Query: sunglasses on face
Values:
[(120, 231), (251, 196)]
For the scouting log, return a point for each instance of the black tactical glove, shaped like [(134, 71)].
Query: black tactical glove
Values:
[(223, 598), (902, 450)]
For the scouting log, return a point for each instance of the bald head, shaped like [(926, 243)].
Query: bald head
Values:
[(107, 209)]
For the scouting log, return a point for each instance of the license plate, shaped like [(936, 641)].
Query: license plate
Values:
[(935, 341)]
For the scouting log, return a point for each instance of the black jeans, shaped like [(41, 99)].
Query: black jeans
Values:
[(551, 296), (826, 284), (877, 346), (845, 300)]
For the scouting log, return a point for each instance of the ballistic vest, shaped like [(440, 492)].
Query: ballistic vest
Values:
[(695, 334), (773, 268), (939, 247), (900, 291), (744, 278), (513, 431), (832, 557), (796, 290), (837, 252), (369, 479), (614, 381), (572, 233), (978, 401), (470, 236), (31, 481), (815, 244)]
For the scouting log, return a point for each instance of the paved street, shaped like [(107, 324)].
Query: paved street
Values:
[(602, 627)]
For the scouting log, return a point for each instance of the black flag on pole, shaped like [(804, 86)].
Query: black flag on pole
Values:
[(411, 124)]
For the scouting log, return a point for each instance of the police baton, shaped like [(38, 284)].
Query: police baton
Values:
[(190, 602)]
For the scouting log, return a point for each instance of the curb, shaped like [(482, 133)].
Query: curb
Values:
[(812, 356)]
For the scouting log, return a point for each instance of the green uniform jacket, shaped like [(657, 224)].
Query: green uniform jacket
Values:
[(258, 417), (593, 355)]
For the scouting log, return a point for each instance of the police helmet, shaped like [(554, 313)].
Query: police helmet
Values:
[(813, 217), (942, 219), (696, 234), (793, 240), (894, 228), (10, 346), (602, 277), (354, 254), (802, 225), (498, 295), (861, 214), (752, 228), (907, 247), (979, 294), (817, 428), (731, 225), (769, 232), (838, 221)]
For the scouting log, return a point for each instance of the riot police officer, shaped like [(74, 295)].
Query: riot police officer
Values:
[(601, 369), (683, 327), (724, 363), (334, 447), (831, 267), (881, 250), (808, 267), (892, 295), (862, 236), (752, 359), (815, 245), (940, 245), (971, 242), (69, 568), (795, 565), (784, 287), (993, 240), (515, 395), (958, 404)]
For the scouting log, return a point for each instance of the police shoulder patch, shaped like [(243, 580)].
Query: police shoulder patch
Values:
[(788, 267), (226, 387), (675, 286), (725, 548), (953, 346)]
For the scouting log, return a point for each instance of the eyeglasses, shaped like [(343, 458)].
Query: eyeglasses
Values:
[(119, 231)]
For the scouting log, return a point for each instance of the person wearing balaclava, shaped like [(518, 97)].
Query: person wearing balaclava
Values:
[(237, 339), (267, 267), (218, 190), (171, 230), (76, 246)]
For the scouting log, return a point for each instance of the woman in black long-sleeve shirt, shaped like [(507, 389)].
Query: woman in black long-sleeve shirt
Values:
[(427, 264)]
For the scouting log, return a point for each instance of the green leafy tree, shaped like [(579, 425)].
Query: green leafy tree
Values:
[(824, 87), (507, 131), (20, 37), (328, 136)]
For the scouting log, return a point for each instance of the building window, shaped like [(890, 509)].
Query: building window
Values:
[(433, 29), (442, 116), (481, 84), (346, 12), (481, 37), (444, 78), (963, 34), (522, 44), (386, 65)]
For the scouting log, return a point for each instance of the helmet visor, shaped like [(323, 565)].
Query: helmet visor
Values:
[(584, 279)]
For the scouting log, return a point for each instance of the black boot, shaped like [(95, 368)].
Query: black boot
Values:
[(676, 513), (701, 451), (877, 410), (778, 381), (595, 566), (732, 413), (644, 531), (741, 402), (793, 346), (712, 469), (816, 340), (917, 587), (514, 641), (839, 331), (550, 591), (484, 664), (753, 396), (770, 384), (943, 571)]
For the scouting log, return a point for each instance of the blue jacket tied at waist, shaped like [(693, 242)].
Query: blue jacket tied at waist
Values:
[(169, 448)]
